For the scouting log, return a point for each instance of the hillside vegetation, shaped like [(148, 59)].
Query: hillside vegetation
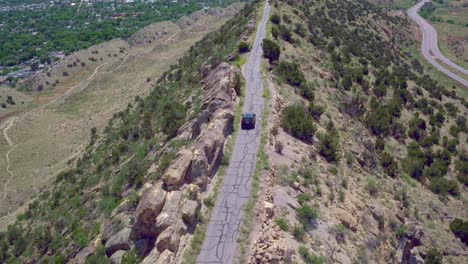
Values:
[(134, 150), (369, 152)]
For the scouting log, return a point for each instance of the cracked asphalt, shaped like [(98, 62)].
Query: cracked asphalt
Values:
[(430, 48), (224, 226)]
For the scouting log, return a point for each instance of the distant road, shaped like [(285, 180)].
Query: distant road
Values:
[(220, 242), (430, 48)]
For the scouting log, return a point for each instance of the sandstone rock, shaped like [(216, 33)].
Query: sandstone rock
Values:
[(82, 255), (152, 257), (163, 221), (175, 174), (150, 205), (114, 225), (166, 257), (296, 185), (116, 258), (269, 209), (169, 239), (189, 212), (119, 241)]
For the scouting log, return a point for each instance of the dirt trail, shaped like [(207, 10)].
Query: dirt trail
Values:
[(7, 156), (14, 119)]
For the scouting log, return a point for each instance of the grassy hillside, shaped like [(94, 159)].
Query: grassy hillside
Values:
[(368, 149), (68, 216), (47, 137)]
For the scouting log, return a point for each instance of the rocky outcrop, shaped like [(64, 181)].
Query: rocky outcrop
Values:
[(413, 241), (148, 209), (189, 211), (116, 258), (175, 174), (119, 241), (169, 208)]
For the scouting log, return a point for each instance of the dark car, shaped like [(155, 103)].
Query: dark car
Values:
[(248, 121)]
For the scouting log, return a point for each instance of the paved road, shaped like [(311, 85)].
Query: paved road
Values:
[(223, 229), (430, 49)]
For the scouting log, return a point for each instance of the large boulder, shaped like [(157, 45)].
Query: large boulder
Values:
[(152, 257), (116, 258), (82, 255), (166, 257), (150, 204), (119, 241), (189, 211), (175, 174), (169, 239), (170, 211)]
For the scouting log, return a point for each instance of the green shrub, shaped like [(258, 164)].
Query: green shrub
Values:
[(460, 229), (371, 186), (379, 121), (243, 47), (271, 50), (308, 257), (389, 164), (290, 73), (296, 121), (401, 231), (282, 223), (130, 257), (285, 33), (275, 19), (306, 214), (307, 90), (413, 167), (298, 232), (329, 147), (433, 256), (340, 233), (316, 111), (444, 186), (80, 238), (302, 198)]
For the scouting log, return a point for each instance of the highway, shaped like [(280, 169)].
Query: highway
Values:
[(430, 49)]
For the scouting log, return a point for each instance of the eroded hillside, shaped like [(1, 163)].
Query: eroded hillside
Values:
[(367, 154)]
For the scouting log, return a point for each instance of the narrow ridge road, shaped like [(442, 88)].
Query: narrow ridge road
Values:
[(430, 49), (220, 242)]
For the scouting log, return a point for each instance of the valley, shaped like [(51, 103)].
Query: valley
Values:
[(51, 128)]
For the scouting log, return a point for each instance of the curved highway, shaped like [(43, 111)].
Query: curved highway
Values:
[(430, 49), (220, 242)]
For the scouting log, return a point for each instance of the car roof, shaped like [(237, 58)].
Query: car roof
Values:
[(248, 115)]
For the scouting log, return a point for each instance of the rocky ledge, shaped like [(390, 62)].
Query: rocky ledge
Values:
[(167, 213)]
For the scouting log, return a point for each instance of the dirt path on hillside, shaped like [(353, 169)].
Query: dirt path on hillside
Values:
[(12, 121)]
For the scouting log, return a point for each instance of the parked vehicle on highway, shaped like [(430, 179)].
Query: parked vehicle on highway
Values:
[(248, 121)]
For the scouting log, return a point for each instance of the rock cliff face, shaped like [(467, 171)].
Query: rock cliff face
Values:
[(167, 211)]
